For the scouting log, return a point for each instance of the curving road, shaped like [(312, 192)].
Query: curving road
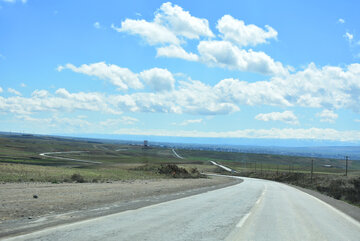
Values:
[(222, 167), (50, 154), (253, 210), (177, 155)]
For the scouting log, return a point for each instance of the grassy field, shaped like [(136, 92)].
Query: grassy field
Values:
[(272, 163), (20, 162), (328, 174), (296, 171), (35, 173)]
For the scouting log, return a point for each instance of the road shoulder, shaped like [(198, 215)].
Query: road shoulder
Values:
[(342, 206), (67, 203)]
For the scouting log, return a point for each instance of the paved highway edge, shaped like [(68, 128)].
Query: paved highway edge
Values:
[(342, 206), (348, 209), (21, 227)]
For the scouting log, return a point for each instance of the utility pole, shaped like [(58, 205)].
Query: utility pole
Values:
[(255, 166), (277, 169), (346, 168), (312, 169)]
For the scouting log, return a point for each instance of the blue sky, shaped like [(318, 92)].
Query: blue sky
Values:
[(256, 69)]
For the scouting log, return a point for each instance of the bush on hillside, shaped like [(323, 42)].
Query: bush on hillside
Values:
[(178, 172), (77, 178)]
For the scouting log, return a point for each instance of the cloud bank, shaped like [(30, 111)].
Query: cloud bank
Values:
[(286, 116)]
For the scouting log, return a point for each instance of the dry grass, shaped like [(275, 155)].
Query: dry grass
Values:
[(32, 173)]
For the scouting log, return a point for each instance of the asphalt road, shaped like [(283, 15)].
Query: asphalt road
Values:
[(50, 154), (177, 155), (221, 166), (252, 210)]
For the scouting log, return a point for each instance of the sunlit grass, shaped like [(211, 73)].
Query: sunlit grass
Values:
[(32, 173)]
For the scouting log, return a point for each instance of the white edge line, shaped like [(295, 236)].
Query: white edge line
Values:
[(245, 218)]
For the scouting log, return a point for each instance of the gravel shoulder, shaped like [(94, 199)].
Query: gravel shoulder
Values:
[(56, 204)]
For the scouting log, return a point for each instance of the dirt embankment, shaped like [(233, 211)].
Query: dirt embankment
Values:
[(31, 205)]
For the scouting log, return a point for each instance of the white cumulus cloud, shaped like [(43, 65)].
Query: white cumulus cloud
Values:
[(238, 32), (181, 22), (13, 91), (1, 90), (287, 116), (327, 116), (152, 33), (127, 120), (63, 101), (172, 26), (158, 79), (329, 87), (188, 122), (40, 93), (227, 55), (175, 51), (341, 20), (170, 23), (191, 97), (97, 25), (123, 78), (326, 87), (349, 37)]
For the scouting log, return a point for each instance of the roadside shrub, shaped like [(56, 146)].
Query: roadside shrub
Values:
[(336, 189), (147, 168), (352, 193), (178, 172), (196, 174), (66, 180), (77, 178), (173, 170), (292, 178), (356, 183)]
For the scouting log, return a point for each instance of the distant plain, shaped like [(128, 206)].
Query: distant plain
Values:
[(20, 161)]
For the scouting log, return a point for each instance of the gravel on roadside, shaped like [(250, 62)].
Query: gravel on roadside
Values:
[(26, 207)]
